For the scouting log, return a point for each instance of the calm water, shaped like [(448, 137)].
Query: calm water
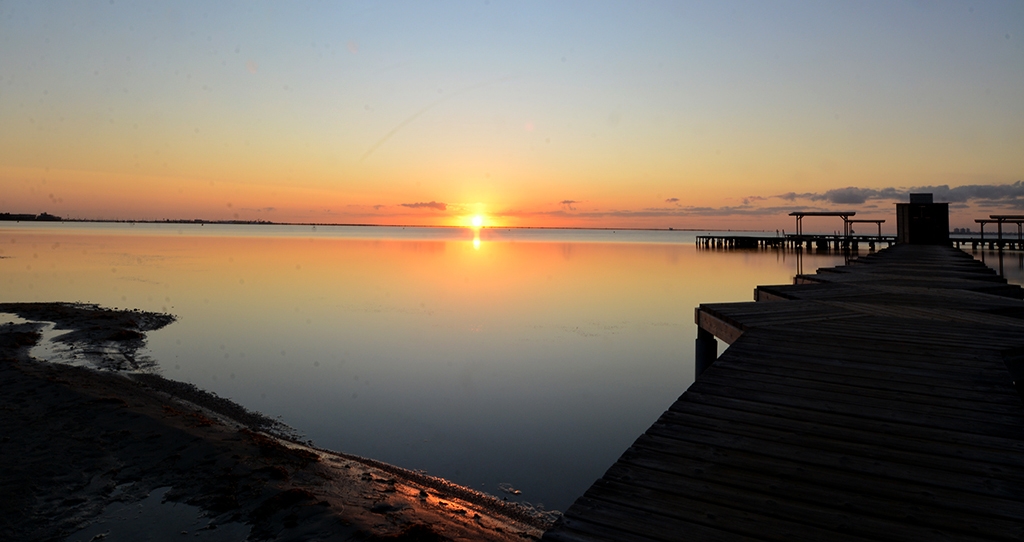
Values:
[(526, 357)]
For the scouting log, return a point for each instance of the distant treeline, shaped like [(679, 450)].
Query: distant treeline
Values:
[(42, 217), (182, 221), (199, 221)]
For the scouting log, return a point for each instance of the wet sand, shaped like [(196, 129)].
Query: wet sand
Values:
[(75, 439)]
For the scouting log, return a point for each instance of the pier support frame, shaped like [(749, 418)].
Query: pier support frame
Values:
[(706, 351)]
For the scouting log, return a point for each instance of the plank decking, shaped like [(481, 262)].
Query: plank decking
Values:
[(872, 401)]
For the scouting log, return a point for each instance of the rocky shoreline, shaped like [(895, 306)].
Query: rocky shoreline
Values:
[(76, 439)]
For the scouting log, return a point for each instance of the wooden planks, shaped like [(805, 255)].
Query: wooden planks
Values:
[(870, 402)]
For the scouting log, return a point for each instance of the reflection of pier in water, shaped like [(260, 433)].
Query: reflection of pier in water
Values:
[(870, 401), (1000, 256)]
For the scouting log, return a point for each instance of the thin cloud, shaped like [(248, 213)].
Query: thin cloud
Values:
[(427, 205), (659, 212), (992, 193), (1010, 196), (850, 195), (792, 196)]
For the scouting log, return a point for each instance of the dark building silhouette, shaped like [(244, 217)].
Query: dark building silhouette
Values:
[(17, 217), (922, 222), (45, 217)]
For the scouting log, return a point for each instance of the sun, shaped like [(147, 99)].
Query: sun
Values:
[(477, 221)]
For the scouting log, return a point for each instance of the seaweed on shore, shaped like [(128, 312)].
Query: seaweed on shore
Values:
[(79, 316), (108, 338), (111, 339), (255, 421)]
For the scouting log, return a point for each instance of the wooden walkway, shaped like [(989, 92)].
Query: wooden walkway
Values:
[(872, 401)]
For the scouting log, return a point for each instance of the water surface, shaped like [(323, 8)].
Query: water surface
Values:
[(531, 358)]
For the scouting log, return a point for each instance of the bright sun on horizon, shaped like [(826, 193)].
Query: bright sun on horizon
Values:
[(477, 221)]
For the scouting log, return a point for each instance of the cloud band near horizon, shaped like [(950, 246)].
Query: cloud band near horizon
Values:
[(436, 205), (1012, 194)]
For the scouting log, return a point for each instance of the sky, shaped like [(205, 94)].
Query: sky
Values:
[(724, 114)]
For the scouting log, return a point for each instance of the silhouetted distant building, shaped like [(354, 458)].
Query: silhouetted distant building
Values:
[(21, 217), (12, 216), (922, 221)]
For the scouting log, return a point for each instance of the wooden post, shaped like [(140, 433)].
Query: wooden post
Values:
[(706, 351)]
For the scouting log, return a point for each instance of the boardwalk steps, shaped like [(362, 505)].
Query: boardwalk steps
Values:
[(872, 401)]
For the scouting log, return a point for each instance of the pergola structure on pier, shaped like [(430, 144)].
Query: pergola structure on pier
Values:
[(867, 221), (845, 215), (999, 220)]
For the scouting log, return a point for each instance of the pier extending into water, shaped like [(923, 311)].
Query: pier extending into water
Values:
[(792, 241), (929, 220), (840, 242), (992, 243), (870, 401)]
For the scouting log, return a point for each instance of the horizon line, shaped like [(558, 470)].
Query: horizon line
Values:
[(354, 224)]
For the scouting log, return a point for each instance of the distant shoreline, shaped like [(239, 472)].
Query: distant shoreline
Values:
[(347, 225)]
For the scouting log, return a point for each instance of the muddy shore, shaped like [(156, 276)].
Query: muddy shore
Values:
[(76, 439)]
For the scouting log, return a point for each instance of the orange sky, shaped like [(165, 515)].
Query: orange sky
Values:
[(695, 116)]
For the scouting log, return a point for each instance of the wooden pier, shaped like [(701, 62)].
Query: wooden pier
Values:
[(837, 242), (871, 401), (842, 242), (991, 243)]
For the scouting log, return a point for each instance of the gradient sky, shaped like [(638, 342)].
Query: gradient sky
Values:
[(626, 114)]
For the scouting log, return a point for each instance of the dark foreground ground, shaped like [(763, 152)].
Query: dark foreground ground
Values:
[(74, 441)]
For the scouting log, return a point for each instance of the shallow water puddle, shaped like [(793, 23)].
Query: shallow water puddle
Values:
[(155, 520), (47, 348), (8, 318), (50, 350)]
